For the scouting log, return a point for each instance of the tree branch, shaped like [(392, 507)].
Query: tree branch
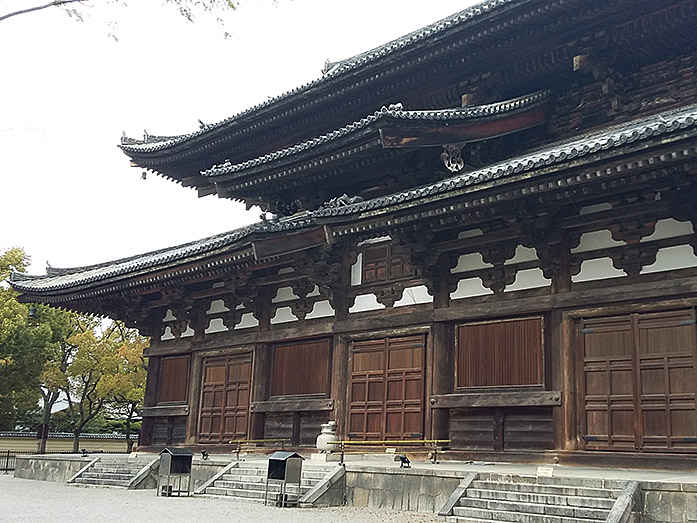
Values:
[(55, 3)]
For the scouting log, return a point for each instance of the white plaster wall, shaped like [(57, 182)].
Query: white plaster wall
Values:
[(283, 315), (284, 294), (217, 306), (669, 228), (215, 325), (169, 316), (414, 295), (321, 309), (671, 258), (596, 240), (590, 209), (522, 254), (167, 335), (248, 320), (315, 292), (366, 302), (357, 271), (528, 279), (188, 333), (468, 288), (470, 262), (472, 233), (597, 269)]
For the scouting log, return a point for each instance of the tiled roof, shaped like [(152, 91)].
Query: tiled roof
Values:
[(659, 125), (58, 279), (578, 147), (151, 144), (394, 113)]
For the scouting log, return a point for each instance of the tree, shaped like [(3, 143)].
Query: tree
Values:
[(23, 345), (123, 385), (83, 374), (60, 353), (185, 7)]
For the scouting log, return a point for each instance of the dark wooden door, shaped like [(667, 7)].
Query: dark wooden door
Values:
[(640, 382), (225, 389), (387, 389)]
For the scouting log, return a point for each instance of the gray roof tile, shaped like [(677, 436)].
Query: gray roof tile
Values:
[(658, 125), (151, 144), (393, 112)]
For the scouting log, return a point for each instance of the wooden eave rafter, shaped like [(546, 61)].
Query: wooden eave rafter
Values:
[(640, 166), (431, 133)]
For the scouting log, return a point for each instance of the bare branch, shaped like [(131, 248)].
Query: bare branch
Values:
[(55, 3)]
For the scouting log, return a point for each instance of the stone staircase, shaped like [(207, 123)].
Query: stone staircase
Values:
[(527, 499), (248, 482), (109, 472)]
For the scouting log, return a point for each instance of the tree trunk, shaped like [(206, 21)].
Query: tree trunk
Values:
[(76, 441), (49, 400)]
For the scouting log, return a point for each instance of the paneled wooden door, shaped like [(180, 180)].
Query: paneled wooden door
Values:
[(640, 382), (225, 389), (387, 389)]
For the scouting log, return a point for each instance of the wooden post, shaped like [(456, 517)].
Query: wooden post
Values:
[(150, 399), (340, 378), (498, 429), (195, 378), (443, 348), (260, 376)]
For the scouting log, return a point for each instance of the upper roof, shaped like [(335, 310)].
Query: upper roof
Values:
[(645, 132), (332, 72)]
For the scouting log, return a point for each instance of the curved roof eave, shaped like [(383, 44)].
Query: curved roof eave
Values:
[(659, 126), (338, 71)]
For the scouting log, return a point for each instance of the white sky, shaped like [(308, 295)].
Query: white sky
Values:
[(68, 91)]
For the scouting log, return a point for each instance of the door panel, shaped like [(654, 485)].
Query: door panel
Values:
[(640, 382), (225, 398), (387, 389)]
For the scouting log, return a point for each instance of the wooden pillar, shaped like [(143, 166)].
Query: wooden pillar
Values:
[(150, 399), (340, 376), (443, 352), (498, 429), (260, 378), (195, 379)]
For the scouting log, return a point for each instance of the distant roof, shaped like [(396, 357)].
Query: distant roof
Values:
[(152, 143), (588, 146)]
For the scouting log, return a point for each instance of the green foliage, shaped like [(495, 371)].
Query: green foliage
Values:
[(26, 344), (56, 352)]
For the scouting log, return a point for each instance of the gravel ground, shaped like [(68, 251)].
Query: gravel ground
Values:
[(30, 501)]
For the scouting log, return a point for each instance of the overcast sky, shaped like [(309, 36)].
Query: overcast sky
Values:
[(68, 91)]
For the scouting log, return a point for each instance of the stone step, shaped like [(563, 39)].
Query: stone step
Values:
[(114, 470), (101, 482), (495, 505), (259, 484), (517, 517), (599, 483), (261, 479), (273, 487), (247, 493), (543, 499), (106, 475), (538, 488)]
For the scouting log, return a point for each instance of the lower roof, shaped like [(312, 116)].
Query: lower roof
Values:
[(611, 141)]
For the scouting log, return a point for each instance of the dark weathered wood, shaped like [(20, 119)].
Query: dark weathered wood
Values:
[(290, 243), (442, 365), (340, 383), (499, 422), (497, 399), (165, 410), (430, 134), (292, 405)]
